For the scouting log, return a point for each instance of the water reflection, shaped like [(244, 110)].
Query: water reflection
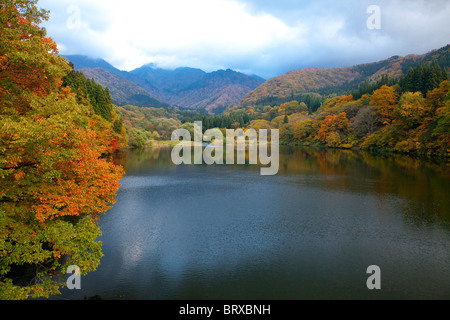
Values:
[(226, 232), (424, 184)]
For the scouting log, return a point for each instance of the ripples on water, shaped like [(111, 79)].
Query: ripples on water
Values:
[(225, 232)]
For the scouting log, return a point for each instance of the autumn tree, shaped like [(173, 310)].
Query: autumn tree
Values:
[(336, 101), (29, 63), (165, 127), (259, 125), (304, 130), (440, 102), (442, 131), (54, 177), (437, 97), (411, 110), (277, 122), (365, 121), (292, 107), (287, 132), (384, 99), (91, 94), (332, 127)]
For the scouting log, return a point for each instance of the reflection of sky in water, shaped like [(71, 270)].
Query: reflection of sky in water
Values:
[(191, 234), (227, 232)]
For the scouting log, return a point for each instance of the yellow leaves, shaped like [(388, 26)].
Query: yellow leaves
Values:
[(344, 99), (440, 111), (437, 97), (384, 99), (412, 109)]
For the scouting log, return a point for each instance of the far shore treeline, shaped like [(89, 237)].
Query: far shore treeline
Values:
[(408, 115)]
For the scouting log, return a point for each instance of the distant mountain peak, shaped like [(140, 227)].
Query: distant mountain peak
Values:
[(183, 87), (194, 88), (150, 65), (81, 62)]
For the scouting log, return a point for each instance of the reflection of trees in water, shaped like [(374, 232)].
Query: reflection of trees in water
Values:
[(423, 185), (139, 159)]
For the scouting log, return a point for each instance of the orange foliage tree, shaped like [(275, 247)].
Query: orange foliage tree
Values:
[(54, 178), (385, 99), (332, 128)]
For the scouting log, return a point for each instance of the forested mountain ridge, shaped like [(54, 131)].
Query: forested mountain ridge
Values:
[(194, 88), (182, 87), (123, 91), (295, 83), (409, 115)]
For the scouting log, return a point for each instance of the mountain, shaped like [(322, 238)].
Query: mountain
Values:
[(83, 62), (217, 90), (182, 87), (166, 83), (338, 80), (122, 91), (194, 88)]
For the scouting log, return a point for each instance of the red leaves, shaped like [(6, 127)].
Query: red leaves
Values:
[(87, 184), (51, 157), (22, 41), (115, 144)]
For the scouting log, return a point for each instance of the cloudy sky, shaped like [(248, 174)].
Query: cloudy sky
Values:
[(263, 37)]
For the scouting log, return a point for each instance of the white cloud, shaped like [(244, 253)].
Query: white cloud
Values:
[(261, 37), (135, 32), (192, 29)]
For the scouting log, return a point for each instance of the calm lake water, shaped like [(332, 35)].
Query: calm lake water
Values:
[(310, 232)]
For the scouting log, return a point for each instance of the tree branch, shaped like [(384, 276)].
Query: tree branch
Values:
[(20, 166)]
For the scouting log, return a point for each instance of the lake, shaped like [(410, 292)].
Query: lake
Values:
[(310, 232)]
